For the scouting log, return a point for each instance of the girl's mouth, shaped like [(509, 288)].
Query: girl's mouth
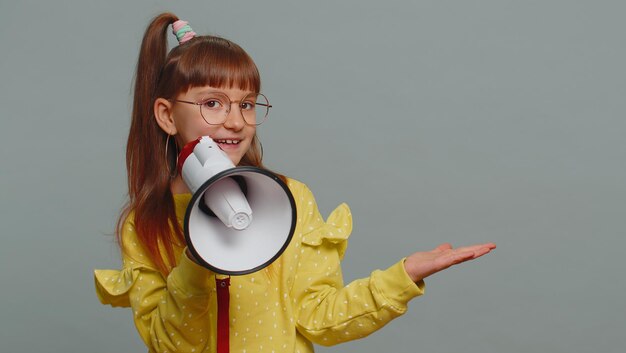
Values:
[(227, 142)]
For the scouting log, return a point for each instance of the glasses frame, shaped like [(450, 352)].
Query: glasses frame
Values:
[(201, 103)]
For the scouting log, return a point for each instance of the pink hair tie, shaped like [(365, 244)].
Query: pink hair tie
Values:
[(183, 31)]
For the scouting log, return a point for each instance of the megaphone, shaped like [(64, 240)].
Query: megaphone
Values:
[(239, 219)]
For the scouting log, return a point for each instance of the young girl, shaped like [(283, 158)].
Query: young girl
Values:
[(299, 299)]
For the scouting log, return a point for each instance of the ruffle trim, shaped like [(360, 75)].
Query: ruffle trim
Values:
[(113, 286), (335, 230)]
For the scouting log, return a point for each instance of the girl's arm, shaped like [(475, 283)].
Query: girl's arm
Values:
[(329, 312), (171, 314)]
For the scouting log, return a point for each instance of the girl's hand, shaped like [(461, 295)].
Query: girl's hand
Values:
[(423, 264)]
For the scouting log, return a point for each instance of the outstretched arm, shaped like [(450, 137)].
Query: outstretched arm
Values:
[(423, 264)]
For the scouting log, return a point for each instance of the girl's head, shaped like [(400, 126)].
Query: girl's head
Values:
[(188, 73), (215, 72), (165, 117)]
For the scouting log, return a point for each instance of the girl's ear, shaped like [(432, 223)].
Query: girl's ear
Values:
[(164, 116)]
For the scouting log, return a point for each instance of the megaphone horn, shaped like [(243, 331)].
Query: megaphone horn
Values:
[(219, 227)]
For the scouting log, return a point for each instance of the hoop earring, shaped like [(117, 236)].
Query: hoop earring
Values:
[(167, 159), (260, 145)]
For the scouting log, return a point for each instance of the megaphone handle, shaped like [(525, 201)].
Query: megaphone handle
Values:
[(223, 303)]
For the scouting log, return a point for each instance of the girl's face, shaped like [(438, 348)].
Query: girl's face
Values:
[(233, 136)]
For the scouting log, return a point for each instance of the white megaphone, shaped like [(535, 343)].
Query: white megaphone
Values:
[(239, 219)]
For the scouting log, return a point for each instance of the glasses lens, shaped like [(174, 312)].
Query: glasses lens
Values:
[(255, 108), (214, 108)]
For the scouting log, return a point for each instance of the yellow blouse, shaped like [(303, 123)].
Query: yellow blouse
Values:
[(298, 300)]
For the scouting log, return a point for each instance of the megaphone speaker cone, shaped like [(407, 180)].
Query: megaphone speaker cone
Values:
[(245, 243)]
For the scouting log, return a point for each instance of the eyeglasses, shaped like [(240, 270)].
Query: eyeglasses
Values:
[(215, 107)]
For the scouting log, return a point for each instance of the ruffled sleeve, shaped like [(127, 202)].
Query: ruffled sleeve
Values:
[(335, 231), (161, 304), (113, 286)]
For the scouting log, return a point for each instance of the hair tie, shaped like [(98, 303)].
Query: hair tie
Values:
[(183, 31)]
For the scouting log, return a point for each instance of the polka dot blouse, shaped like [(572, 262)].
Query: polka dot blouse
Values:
[(298, 301)]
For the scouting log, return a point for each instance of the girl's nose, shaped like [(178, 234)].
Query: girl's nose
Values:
[(234, 120)]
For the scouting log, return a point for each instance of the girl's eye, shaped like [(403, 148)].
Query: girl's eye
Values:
[(212, 104), (247, 105)]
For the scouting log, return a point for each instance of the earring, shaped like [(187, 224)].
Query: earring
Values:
[(167, 159)]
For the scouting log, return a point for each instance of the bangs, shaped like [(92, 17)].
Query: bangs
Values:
[(212, 61)]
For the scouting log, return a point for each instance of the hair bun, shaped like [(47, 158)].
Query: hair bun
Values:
[(183, 31)]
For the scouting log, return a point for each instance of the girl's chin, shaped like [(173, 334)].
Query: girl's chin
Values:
[(234, 152)]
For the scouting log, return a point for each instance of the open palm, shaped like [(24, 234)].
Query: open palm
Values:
[(420, 265)]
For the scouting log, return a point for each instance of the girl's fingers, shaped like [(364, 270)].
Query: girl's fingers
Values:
[(481, 252), (477, 247), (443, 247), (467, 253), (462, 257)]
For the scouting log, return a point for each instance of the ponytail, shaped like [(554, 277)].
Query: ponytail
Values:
[(149, 191)]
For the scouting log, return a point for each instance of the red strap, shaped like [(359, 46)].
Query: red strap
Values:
[(223, 302), (186, 151)]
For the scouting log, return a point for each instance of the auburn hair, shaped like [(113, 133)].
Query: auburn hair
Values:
[(200, 61)]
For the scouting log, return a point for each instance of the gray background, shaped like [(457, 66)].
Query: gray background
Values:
[(460, 121)]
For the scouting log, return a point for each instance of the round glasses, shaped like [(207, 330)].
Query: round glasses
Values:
[(216, 106)]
